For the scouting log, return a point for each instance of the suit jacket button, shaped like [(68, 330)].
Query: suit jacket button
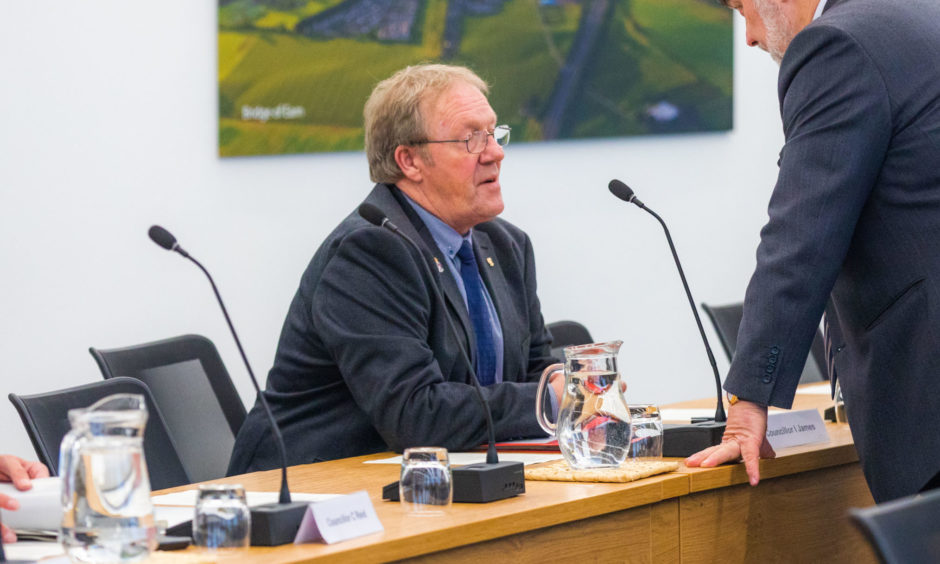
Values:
[(768, 379), (774, 349)]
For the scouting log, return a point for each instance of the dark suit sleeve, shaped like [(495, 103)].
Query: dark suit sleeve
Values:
[(837, 123), (373, 309)]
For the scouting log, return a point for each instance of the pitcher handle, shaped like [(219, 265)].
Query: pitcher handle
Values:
[(544, 423), (68, 460)]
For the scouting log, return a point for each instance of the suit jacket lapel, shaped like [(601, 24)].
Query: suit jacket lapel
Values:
[(400, 213), (830, 4)]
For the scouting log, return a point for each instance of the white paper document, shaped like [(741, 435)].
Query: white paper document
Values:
[(685, 415), (40, 507), (36, 550), (820, 389), (171, 516), (188, 498), (464, 458)]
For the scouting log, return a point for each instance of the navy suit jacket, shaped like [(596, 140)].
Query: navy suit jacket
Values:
[(855, 222), (366, 361)]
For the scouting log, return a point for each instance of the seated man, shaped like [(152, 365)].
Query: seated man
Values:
[(367, 361), (20, 472)]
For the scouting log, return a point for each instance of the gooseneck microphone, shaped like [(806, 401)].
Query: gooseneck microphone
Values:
[(472, 483), (271, 524), (166, 240), (625, 193), (375, 216)]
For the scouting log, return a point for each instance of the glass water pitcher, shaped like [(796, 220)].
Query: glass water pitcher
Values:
[(108, 515), (593, 423)]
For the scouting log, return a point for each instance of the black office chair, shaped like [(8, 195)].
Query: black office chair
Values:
[(567, 333), (727, 320), (905, 530), (45, 417), (195, 393)]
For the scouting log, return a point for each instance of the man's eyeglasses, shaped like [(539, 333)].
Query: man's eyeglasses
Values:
[(476, 141)]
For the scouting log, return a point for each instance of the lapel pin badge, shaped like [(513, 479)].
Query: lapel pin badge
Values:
[(440, 267), (489, 261)]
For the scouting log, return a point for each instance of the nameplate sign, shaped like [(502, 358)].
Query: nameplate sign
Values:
[(338, 519), (793, 428)]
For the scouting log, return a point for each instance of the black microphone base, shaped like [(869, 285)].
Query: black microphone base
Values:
[(681, 440), (479, 483), (483, 483), (274, 524)]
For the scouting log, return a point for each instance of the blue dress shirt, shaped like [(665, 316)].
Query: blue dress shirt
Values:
[(449, 242)]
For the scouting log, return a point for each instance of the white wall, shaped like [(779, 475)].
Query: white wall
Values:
[(108, 124)]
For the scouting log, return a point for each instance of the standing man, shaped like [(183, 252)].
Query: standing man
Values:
[(855, 219), (367, 361)]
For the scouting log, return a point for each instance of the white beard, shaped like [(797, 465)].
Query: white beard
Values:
[(780, 28)]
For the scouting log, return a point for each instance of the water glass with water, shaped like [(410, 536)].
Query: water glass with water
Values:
[(425, 486), (222, 518), (646, 426)]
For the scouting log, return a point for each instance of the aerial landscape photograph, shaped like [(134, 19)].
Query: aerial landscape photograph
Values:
[(294, 74)]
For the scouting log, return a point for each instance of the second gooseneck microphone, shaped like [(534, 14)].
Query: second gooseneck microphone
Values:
[(375, 216), (271, 524), (474, 483), (625, 193)]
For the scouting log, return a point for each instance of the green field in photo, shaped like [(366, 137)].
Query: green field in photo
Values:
[(646, 52)]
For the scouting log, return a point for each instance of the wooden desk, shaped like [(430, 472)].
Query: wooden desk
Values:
[(796, 514)]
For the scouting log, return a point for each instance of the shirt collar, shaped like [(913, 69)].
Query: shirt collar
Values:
[(447, 239), (819, 9)]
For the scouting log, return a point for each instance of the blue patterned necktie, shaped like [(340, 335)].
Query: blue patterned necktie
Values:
[(479, 315)]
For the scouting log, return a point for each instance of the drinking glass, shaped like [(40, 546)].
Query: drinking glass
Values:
[(425, 486), (646, 437), (839, 404), (222, 519)]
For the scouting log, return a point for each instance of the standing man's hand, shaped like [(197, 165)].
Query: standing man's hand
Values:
[(20, 472), (745, 437)]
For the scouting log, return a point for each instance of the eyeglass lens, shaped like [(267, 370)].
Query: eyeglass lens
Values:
[(477, 141)]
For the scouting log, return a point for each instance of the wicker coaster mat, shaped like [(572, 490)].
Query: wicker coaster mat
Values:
[(629, 471)]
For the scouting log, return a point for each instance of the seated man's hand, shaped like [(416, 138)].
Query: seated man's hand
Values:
[(20, 472), (745, 437), (557, 382)]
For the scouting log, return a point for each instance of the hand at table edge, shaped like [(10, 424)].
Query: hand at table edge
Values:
[(745, 438)]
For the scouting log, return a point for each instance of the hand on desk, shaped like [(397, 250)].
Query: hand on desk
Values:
[(745, 437), (20, 472)]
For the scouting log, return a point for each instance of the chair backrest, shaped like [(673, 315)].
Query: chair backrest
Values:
[(195, 393), (567, 333), (904, 530), (45, 417), (727, 319)]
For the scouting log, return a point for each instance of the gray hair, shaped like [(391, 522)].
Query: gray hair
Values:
[(392, 113)]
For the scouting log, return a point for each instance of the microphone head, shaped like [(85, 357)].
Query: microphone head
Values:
[(162, 237), (621, 190), (372, 214)]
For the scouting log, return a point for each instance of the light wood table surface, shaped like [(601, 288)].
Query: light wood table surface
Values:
[(796, 514)]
